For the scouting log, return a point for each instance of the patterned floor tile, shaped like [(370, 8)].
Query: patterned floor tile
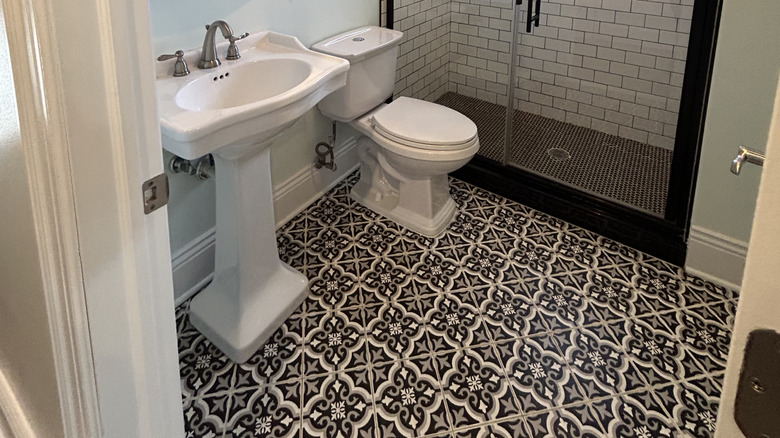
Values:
[(505, 429), (327, 211), (475, 386), (329, 245), (485, 264), (562, 306), (385, 278), (205, 416), (279, 359), (204, 368), (466, 229), (614, 299), (395, 331), (437, 271), (335, 341), (703, 335), (453, 321), (339, 404), (581, 250), (655, 350), (268, 411), (660, 285), (526, 255), (508, 312), (693, 405), (600, 365), (334, 286), (538, 372), (375, 240), (511, 323), (637, 415), (725, 311), (572, 422), (408, 398)]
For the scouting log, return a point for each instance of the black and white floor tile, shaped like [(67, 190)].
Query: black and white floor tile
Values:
[(511, 323)]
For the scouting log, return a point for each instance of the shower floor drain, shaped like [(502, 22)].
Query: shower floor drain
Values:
[(558, 154)]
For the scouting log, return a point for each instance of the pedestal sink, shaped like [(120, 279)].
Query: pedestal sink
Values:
[(234, 112)]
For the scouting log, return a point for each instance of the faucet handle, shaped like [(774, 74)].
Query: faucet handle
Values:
[(180, 67), (232, 51)]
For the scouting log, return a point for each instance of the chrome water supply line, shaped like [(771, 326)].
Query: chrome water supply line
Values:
[(324, 152)]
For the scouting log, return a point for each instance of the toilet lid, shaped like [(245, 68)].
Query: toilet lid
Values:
[(425, 124)]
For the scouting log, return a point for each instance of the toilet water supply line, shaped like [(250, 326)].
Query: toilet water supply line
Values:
[(324, 152)]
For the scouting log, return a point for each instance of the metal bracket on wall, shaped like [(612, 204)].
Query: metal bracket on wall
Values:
[(758, 395)]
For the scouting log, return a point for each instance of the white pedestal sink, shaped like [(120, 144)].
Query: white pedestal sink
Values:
[(235, 111)]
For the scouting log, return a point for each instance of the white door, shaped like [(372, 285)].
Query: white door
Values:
[(760, 296), (85, 90)]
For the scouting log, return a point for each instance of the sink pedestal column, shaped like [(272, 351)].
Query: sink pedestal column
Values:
[(253, 292)]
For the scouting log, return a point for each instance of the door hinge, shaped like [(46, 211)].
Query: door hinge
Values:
[(155, 193)]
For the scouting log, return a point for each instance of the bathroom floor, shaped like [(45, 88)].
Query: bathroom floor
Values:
[(511, 324), (624, 170)]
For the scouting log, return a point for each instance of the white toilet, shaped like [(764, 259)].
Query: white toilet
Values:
[(409, 146)]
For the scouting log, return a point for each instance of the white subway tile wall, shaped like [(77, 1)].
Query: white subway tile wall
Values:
[(423, 59), (615, 66)]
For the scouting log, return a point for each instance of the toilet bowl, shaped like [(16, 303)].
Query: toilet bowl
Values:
[(408, 146)]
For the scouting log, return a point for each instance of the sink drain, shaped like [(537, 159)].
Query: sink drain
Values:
[(558, 154)]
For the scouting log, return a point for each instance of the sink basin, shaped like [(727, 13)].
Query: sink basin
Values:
[(249, 100), (235, 111), (246, 83)]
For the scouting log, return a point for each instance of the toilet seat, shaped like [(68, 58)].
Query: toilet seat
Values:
[(424, 125)]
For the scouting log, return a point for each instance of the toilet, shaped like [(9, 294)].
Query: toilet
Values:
[(408, 146)]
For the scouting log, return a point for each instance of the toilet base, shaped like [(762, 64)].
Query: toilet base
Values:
[(392, 206)]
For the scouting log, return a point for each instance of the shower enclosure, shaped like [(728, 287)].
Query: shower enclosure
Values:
[(588, 109)]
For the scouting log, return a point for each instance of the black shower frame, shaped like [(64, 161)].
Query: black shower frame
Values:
[(664, 237)]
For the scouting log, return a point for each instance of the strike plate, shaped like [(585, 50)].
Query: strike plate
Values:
[(758, 396), (155, 193)]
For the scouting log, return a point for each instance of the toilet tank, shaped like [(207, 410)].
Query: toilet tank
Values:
[(372, 53)]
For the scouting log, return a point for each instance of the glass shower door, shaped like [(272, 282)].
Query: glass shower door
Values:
[(480, 68), (597, 87)]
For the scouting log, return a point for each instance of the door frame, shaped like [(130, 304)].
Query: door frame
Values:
[(664, 237), (84, 79)]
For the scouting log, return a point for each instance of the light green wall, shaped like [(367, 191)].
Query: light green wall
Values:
[(179, 24), (747, 63)]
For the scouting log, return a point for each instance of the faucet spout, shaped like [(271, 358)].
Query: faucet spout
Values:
[(208, 55)]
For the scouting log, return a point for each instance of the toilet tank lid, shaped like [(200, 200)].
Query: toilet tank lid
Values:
[(357, 44), (424, 122)]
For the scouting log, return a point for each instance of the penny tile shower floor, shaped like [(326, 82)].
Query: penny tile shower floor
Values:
[(511, 324)]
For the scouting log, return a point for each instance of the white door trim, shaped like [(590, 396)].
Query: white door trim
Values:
[(85, 86), (44, 142)]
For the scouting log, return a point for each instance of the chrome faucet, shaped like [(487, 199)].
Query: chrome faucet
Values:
[(208, 55)]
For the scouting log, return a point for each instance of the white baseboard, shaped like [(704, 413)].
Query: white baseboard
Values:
[(301, 189), (193, 264), (716, 257)]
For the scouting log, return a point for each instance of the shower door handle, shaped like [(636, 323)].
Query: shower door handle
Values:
[(533, 18)]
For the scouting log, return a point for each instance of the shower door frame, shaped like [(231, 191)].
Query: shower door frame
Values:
[(664, 237)]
